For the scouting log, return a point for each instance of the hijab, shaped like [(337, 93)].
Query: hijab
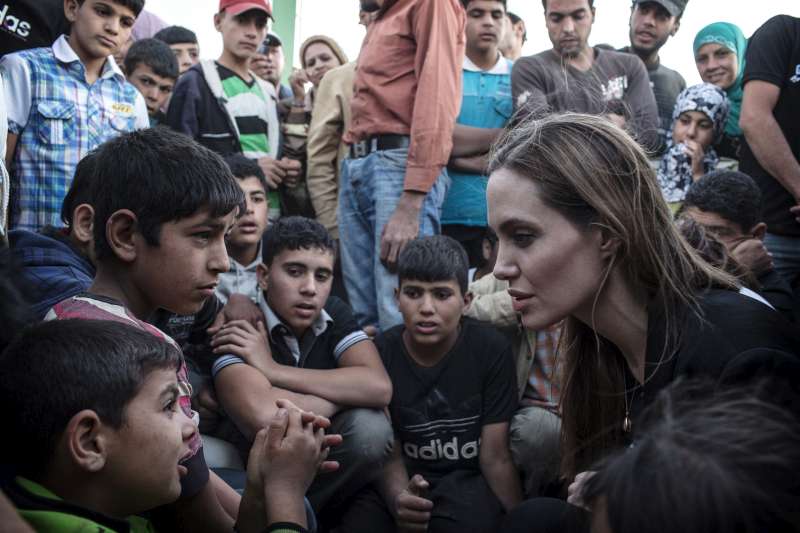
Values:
[(731, 37), (675, 169)]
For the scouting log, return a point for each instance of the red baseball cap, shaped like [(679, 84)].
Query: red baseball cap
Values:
[(235, 7)]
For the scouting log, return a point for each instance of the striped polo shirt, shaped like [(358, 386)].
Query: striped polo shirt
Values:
[(247, 104)]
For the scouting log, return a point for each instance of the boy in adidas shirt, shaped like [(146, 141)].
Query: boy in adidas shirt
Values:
[(454, 394)]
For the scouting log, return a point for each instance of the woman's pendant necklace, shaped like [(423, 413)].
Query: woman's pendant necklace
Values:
[(627, 425)]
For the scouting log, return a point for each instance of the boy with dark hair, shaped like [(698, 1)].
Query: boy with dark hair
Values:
[(159, 225), (92, 457), (183, 43), (223, 105), (152, 68), (311, 351), (65, 100), (244, 240), (455, 393), (728, 204)]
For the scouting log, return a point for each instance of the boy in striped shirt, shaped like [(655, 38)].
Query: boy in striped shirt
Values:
[(224, 106)]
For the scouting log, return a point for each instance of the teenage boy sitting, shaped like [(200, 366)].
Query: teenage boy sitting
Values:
[(224, 106), (183, 43), (90, 458), (159, 226), (244, 240), (455, 393), (153, 70), (311, 352), (728, 204), (65, 100)]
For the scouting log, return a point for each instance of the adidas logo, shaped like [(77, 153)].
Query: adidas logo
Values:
[(13, 24), (436, 450)]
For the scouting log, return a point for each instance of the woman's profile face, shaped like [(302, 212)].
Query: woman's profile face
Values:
[(319, 59), (553, 268), (717, 65)]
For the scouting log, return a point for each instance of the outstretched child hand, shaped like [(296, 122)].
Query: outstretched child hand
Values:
[(240, 337), (319, 422), (282, 464), (412, 511)]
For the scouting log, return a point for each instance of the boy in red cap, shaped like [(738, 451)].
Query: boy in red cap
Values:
[(224, 106)]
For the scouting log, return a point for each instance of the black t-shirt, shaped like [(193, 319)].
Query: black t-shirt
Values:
[(740, 340), (773, 56), (28, 24), (438, 412)]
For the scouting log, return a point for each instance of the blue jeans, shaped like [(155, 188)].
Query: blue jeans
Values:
[(785, 255), (369, 190)]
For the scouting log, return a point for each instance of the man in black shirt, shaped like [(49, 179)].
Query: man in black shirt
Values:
[(455, 393), (652, 23), (770, 121), (311, 352)]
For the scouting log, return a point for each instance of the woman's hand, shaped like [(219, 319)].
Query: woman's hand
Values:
[(575, 490)]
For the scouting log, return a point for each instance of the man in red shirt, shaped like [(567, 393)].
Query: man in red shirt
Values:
[(405, 102)]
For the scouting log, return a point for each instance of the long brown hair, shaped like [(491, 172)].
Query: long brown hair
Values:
[(593, 173)]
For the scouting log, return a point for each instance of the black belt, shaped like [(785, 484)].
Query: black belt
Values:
[(378, 142)]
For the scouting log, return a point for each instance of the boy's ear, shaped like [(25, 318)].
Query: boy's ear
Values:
[(218, 20), (759, 230), (262, 275), (121, 234), (396, 293), (675, 28), (86, 441), (83, 224), (71, 8)]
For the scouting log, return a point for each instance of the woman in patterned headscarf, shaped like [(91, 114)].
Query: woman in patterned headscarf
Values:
[(719, 51), (698, 122)]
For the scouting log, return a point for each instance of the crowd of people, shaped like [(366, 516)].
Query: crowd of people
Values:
[(438, 287)]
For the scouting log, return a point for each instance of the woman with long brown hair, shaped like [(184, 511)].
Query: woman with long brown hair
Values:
[(586, 237)]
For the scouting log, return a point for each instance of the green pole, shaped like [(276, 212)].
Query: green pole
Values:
[(285, 14)]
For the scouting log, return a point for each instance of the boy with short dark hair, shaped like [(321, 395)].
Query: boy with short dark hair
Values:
[(93, 457), (112, 449), (223, 105), (727, 203), (65, 100), (455, 393), (159, 226), (311, 351), (183, 43), (152, 68), (244, 240)]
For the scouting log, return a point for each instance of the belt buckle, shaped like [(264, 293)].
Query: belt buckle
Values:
[(360, 149)]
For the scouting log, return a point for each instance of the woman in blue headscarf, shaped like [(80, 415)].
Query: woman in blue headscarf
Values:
[(719, 51)]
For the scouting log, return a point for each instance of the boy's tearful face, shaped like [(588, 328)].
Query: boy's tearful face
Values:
[(250, 226), (180, 273), (297, 285), (431, 310), (99, 27), (144, 455)]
